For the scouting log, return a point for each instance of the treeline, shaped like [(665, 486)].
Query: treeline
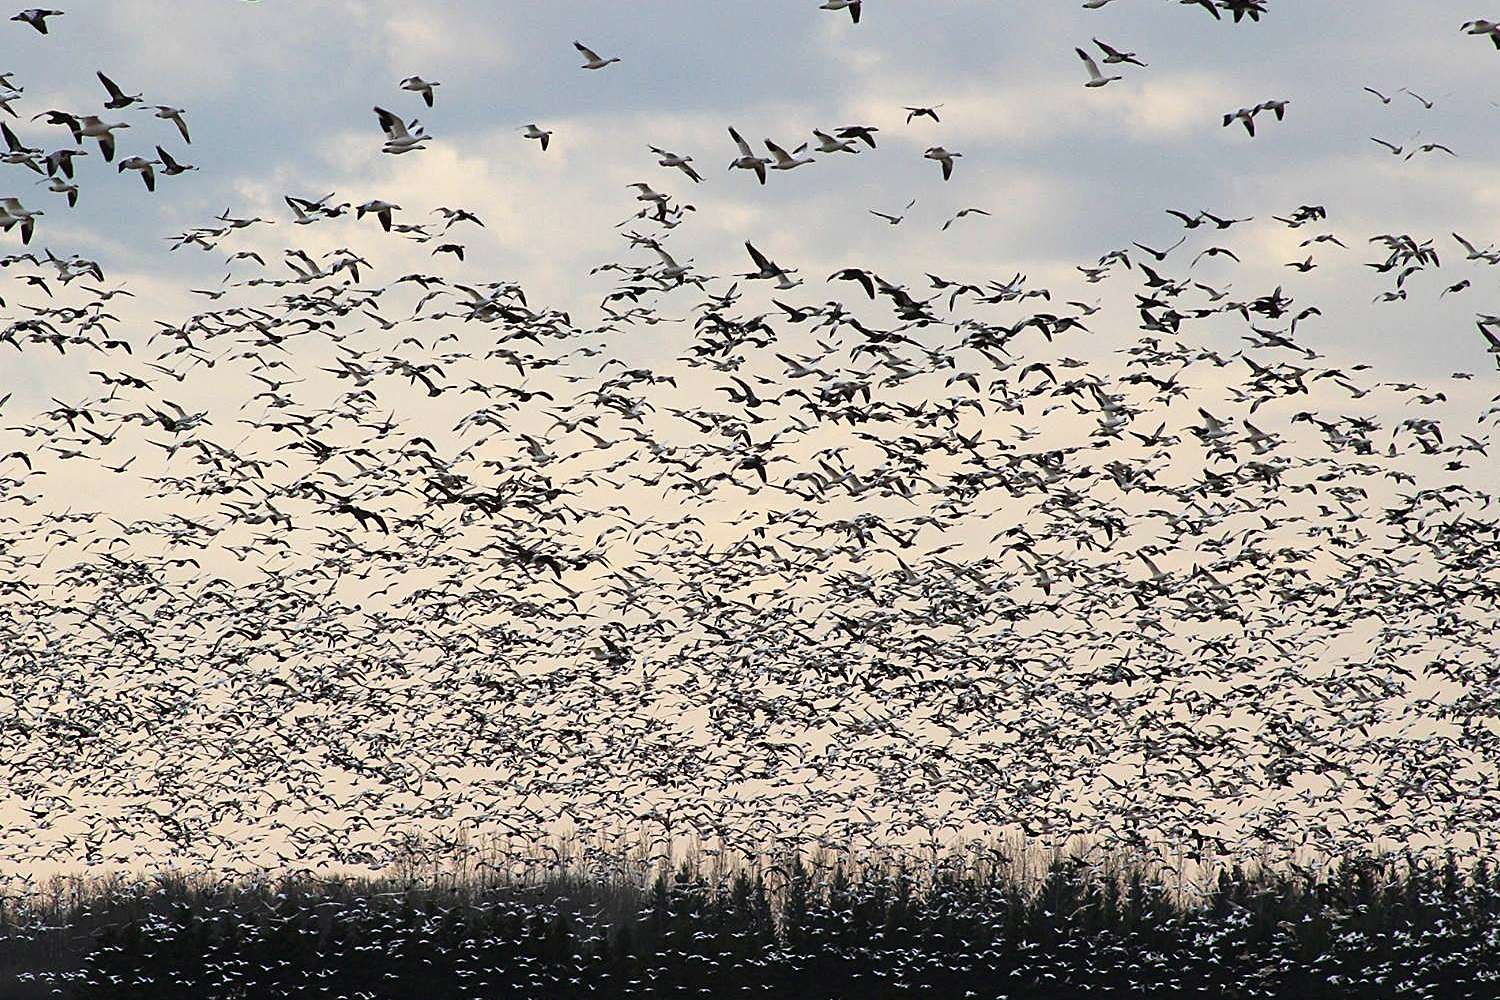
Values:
[(1366, 927)]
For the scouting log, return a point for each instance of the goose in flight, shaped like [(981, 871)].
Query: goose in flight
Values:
[(18, 152), (1096, 79), (169, 166), (1278, 107), (1094, 4), (1395, 149), (90, 126), (944, 157), (1481, 27), (647, 194), (145, 166), (747, 159), (117, 97), (785, 160), (539, 134), (62, 187), (864, 133), (768, 268), (1246, 115), (1429, 105), (828, 144), (397, 139), (852, 6), (1113, 55), (592, 59), (894, 220), (37, 17), (670, 159), (12, 213), (174, 115), (963, 212), (922, 113), (417, 85), (1383, 98), (380, 209), (1431, 147)]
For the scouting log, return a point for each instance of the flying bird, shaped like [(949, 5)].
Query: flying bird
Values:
[(670, 159), (944, 157), (117, 97), (747, 160), (418, 85), (1096, 79), (398, 139), (591, 59), (174, 115), (1112, 55), (37, 17), (539, 134), (852, 6)]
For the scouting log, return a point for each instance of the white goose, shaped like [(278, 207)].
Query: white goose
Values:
[(12, 213), (90, 126), (397, 139), (145, 166), (417, 85), (380, 209), (539, 134), (944, 157), (828, 144), (852, 6), (670, 159), (785, 160), (62, 187), (592, 59), (747, 159), (174, 115), (1096, 79)]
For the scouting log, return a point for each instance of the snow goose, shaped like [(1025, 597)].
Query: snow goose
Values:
[(380, 209), (397, 139), (747, 160), (169, 166), (12, 213), (62, 187), (117, 97), (785, 160), (1096, 79), (37, 17), (944, 157), (90, 126), (670, 159), (541, 135), (417, 85), (828, 144), (145, 166), (592, 59), (174, 115), (852, 6)]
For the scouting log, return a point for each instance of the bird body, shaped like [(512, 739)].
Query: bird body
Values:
[(541, 135), (417, 85), (944, 157), (1096, 79), (592, 59), (37, 17)]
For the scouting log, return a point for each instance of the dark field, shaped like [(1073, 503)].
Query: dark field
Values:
[(1364, 927)]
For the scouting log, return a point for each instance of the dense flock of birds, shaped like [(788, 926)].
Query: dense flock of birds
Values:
[(347, 554)]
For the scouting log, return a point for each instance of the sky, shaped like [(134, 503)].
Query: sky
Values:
[(279, 99)]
